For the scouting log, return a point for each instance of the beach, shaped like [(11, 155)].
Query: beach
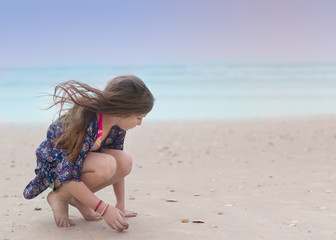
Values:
[(266, 178)]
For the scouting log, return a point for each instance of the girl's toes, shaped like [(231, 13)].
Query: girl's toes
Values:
[(72, 223), (129, 214)]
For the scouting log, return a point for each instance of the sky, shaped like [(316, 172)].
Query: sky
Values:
[(103, 32)]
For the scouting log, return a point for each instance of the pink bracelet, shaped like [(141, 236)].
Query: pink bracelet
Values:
[(104, 211), (100, 202)]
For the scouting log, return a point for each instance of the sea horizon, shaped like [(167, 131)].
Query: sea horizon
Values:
[(184, 91)]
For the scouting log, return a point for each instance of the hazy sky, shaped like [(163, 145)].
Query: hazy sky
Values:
[(75, 32)]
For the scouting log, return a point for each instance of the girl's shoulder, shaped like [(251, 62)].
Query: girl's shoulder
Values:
[(56, 128), (115, 139), (116, 130)]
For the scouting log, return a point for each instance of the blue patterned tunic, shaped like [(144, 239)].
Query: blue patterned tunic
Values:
[(51, 161)]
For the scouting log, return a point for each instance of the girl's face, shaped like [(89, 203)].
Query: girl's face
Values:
[(131, 122)]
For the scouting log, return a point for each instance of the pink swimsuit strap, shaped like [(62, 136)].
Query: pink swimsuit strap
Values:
[(100, 125), (98, 141)]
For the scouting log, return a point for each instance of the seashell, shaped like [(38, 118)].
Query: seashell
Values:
[(197, 221)]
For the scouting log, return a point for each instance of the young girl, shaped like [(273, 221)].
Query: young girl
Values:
[(83, 151)]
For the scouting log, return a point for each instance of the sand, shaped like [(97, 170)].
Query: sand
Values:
[(240, 179)]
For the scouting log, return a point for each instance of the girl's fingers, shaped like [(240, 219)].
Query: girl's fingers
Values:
[(115, 227), (123, 224), (121, 214), (119, 222), (119, 226)]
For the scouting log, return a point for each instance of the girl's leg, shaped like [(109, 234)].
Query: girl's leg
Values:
[(97, 168), (119, 190), (59, 202), (124, 167), (113, 216), (123, 163), (101, 170)]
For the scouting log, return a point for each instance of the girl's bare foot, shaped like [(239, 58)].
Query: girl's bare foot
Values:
[(127, 214), (60, 209), (87, 213)]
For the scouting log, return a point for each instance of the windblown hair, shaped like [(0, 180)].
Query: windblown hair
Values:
[(123, 96)]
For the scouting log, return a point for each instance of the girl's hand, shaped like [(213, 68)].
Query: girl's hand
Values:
[(115, 219)]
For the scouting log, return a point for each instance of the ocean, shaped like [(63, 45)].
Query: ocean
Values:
[(184, 91)]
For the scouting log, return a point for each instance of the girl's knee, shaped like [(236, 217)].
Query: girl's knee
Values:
[(124, 164), (107, 167)]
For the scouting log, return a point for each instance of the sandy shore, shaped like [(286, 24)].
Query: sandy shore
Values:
[(244, 179)]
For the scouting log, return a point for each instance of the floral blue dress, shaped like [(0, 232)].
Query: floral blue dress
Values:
[(51, 161)]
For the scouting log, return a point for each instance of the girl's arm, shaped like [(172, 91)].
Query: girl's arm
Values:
[(82, 193)]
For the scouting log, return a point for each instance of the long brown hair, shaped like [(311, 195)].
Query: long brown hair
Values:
[(123, 96)]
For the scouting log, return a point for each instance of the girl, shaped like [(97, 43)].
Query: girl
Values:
[(83, 151)]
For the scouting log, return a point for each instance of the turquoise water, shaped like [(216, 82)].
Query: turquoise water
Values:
[(185, 91)]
